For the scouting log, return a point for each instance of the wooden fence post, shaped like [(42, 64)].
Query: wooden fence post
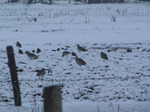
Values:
[(14, 77), (52, 99)]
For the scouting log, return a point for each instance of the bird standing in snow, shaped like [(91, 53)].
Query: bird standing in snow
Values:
[(73, 54), (104, 55), (80, 48), (65, 53), (18, 44), (38, 50), (80, 61), (129, 50), (31, 55), (20, 51), (41, 73)]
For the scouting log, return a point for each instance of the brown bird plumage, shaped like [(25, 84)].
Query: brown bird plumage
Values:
[(20, 51), (31, 55), (129, 50), (80, 61), (73, 54), (38, 50), (65, 53), (18, 44), (104, 55), (80, 48), (41, 72)]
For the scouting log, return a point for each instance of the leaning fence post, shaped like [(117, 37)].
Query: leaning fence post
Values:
[(52, 99), (14, 77)]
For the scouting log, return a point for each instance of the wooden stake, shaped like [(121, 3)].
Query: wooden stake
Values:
[(52, 99), (14, 77)]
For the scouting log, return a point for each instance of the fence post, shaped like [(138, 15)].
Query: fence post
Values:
[(14, 77), (52, 99)]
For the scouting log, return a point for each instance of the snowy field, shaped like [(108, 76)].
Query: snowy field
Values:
[(122, 31)]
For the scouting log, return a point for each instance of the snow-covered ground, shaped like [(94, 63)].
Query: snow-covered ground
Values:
[(120, 83)]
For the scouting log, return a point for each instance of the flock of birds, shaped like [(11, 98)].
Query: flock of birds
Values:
[(78, 60)]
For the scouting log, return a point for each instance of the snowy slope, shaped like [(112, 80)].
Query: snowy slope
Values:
[(109, 28)]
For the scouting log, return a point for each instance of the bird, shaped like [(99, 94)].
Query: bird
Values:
[(31, 55), (38, 50), (73, 54), (80, 48), (104, 55), (129, 50), (18, 44), (80, 61), (20, 51), (65, 53), (33, 51), (41, 72), (58, 49)]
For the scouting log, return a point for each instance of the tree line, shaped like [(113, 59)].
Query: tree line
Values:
[(33, 1), (83, 1)]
